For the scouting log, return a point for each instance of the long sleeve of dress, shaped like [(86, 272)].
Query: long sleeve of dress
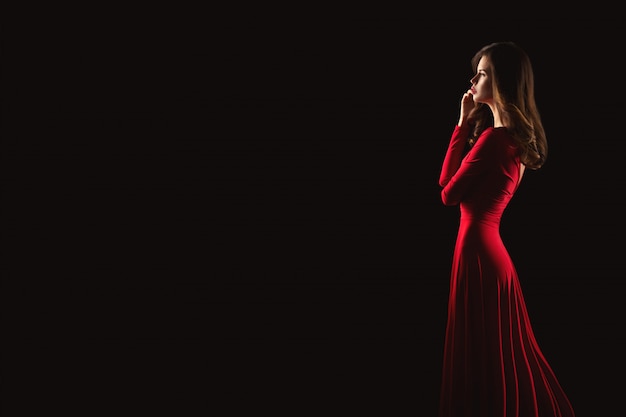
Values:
[(452, 161), (460, 174)]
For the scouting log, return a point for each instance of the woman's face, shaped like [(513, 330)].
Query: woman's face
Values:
[(481, 82)]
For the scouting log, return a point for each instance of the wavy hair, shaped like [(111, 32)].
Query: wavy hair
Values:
[(514, 98)]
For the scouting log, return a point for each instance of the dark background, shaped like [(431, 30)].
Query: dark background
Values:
[(243, 212)]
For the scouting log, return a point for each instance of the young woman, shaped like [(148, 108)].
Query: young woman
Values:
[(493, 366)]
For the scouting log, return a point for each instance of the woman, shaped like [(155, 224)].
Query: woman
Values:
[(493, 366)]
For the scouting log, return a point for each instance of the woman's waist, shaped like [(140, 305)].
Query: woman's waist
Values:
[(486, 221), (483, 215)]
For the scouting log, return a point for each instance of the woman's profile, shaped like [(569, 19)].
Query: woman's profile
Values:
[(492, 363)]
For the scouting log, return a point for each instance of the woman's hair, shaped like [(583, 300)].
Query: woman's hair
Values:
[(514, 98)]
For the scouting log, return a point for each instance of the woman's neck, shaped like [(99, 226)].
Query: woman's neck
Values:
[(497, 121)]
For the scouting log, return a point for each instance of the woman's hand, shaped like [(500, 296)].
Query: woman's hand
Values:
[(467, 104)]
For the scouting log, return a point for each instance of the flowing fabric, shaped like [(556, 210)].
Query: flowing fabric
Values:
[(492, 365)]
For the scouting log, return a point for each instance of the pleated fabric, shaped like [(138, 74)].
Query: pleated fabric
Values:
[(493, 365)]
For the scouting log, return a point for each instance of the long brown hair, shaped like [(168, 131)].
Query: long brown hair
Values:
[(514, 96)]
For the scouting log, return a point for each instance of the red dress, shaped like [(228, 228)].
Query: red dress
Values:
[(492, 366)]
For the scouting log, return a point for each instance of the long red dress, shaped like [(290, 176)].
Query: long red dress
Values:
[(492, 366)]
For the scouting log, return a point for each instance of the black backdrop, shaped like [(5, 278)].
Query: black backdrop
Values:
[(243, 214)]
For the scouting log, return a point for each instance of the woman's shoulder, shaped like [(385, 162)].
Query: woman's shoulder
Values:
[(492, 132), (495, 137), (496, 133)]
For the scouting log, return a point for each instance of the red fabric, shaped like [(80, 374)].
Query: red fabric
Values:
[(493, 366)]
